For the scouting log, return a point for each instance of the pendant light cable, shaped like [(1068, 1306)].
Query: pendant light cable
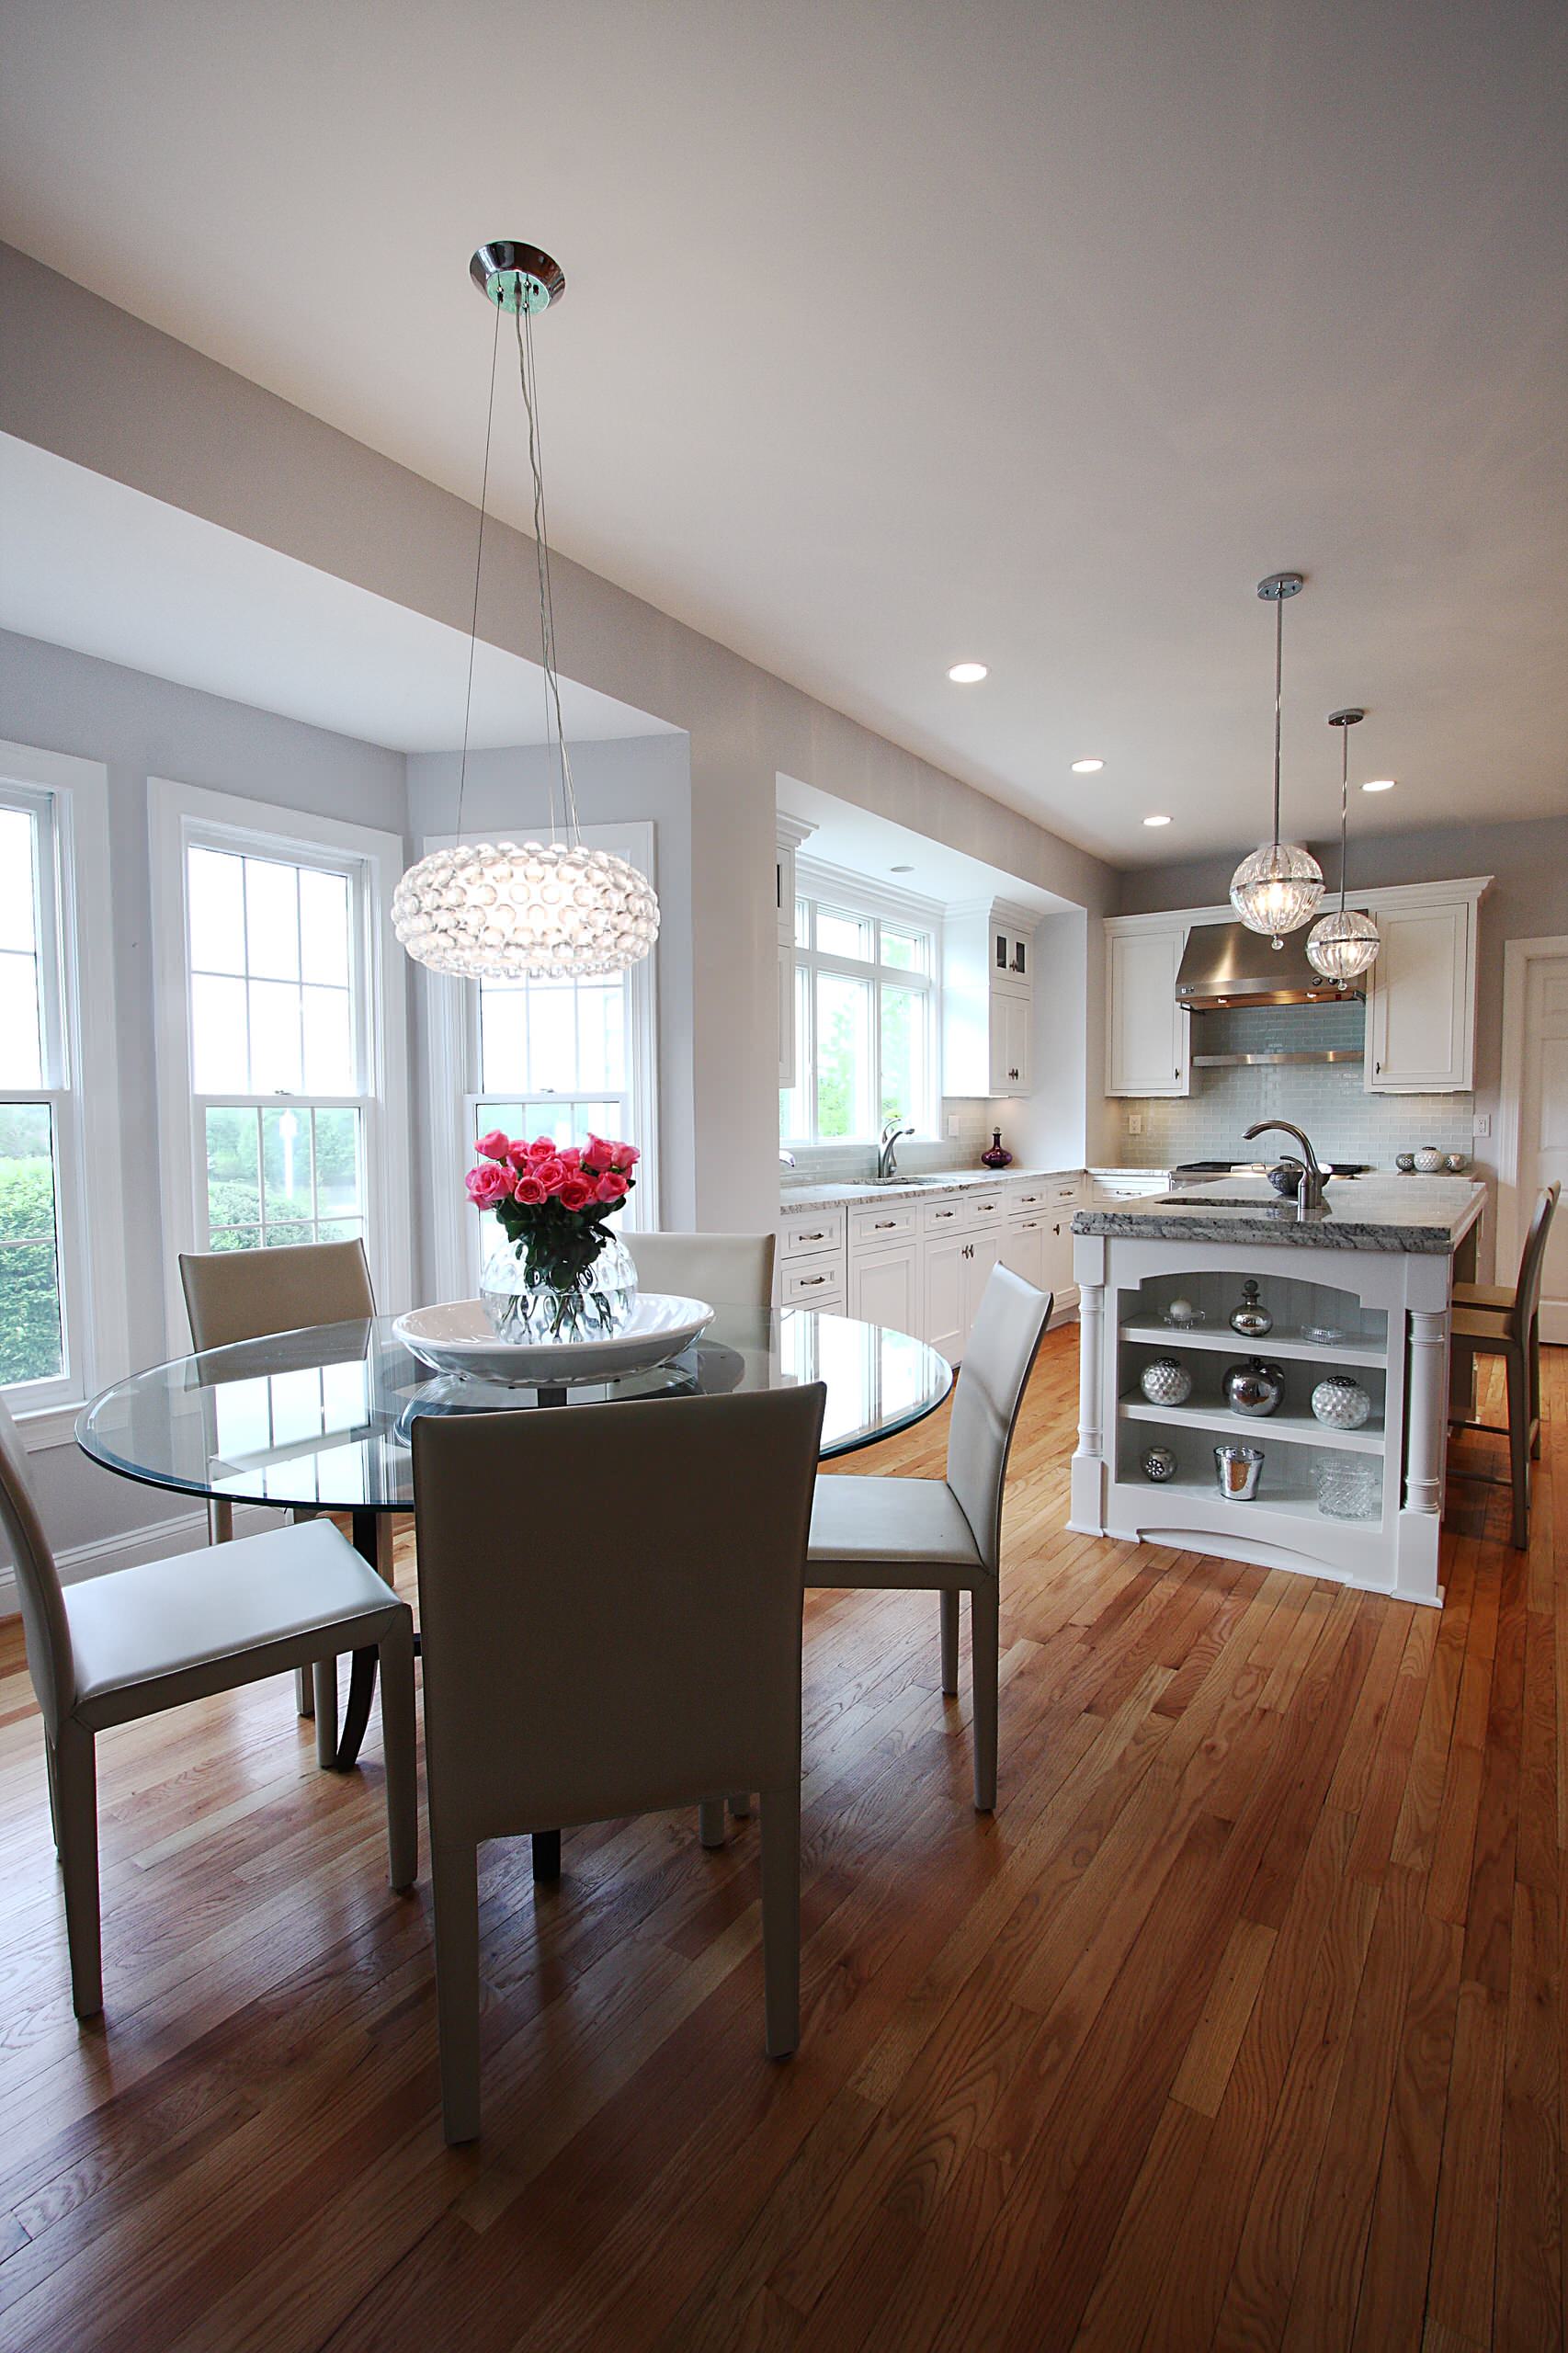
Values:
[(478, 571), (1279, 689), (523, 320), (1344, 807)]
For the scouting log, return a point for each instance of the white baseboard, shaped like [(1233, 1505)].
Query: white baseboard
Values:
[(156, 1542)]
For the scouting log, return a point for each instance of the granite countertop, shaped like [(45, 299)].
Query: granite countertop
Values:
[(1394, 1213), (812, 1193)]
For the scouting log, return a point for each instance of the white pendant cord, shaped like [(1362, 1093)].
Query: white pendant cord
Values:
[(1278, 685), (1343, 806), (478, 571), (523, 319)]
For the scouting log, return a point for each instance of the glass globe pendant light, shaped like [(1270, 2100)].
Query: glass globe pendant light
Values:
[(1277, 888), (550, 910), (1344, 944)]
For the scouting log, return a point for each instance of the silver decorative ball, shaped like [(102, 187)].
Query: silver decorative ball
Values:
[(1340, 1403), (524, 911), (1165, 1382), (1159, 1464)]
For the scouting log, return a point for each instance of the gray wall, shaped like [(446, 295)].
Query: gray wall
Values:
[(141, 727)]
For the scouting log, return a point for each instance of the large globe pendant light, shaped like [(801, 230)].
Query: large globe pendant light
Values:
[(1277, 888), (550, 910), (1344, 944)]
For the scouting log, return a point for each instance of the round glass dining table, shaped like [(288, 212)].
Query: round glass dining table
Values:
[(319, 1420)]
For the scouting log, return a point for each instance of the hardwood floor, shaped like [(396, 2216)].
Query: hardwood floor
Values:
[(1239, 2024)]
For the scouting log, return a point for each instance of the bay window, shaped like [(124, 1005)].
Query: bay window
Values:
[(866, 1014), (563, 1059), (283, 1017), (63, 1326)]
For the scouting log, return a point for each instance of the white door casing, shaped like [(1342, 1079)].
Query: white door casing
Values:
[(1532, 1143)]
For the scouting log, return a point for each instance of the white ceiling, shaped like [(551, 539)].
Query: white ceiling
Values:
[(91, 565), (1020, 330)]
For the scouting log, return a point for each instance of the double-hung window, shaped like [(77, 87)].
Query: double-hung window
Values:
[(61, 1230), (283, 1028), (865, 1012), (563, 1059)]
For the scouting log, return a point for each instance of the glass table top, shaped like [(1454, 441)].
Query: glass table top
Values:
[(321, 1418)]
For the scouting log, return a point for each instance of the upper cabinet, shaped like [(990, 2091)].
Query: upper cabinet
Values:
[(791, 833), (1421, 991), (987, 1000), (1148, 1046)]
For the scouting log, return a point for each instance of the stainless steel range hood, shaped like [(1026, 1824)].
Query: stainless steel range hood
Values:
[(1225, 964)]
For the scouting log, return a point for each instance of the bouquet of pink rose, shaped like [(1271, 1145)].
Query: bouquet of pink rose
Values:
[(552, 1202)]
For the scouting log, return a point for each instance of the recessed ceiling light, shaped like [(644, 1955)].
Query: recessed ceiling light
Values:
[(900, 870), (1086, 767), (1380, 784), (1156, 820), (966, 673)]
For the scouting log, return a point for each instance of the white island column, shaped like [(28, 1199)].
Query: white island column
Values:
[(1087, 1489)]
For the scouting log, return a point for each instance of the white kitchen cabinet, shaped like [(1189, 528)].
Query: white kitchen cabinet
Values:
[(1011, 1021), (1023, 1250), (1420, 998), (884, 1285), (956, 1268), (1148, 1044), (987, 999)]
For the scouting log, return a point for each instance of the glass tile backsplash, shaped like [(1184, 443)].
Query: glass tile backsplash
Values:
[(1327, 1098)]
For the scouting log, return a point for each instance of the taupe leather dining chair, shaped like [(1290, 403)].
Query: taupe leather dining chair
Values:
[(726, 1269), (1514, 1335), (112, 1649), (610, 1602), (1502, 1299), (234, 1295), (946, 1534)]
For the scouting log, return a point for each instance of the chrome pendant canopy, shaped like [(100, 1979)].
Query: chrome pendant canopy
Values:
[(550, 910), (1344, 944), (1277, 888)]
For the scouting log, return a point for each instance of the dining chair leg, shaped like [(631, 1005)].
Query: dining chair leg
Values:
[(325, 1678), (781, 1918), (51, 1773), (398, 1752), (949, 1602), (77, 1785), (984, 1611), (740, 1804), (454, 1877), (710, 1822), (1534, 1389), (305, 1690), (1519, 1447)]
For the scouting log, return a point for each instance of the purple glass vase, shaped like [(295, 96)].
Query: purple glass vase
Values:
[(998, 1156)]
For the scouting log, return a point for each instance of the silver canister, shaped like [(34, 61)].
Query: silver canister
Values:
[(1237, 1469), (1254, 1387)]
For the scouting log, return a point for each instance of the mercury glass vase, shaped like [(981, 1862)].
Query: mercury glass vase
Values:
[(528, 1298)]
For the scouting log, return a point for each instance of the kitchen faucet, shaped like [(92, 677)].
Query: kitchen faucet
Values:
[(1309, 1195), (887, 1157)]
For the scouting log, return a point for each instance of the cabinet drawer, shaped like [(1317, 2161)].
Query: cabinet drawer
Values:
[(984, 1209), (812, 1282), (945, 1214), (806, 1231), (1027, 1199), (871, 1229), (1065, 1189)]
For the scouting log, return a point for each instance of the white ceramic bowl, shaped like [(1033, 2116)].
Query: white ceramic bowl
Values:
[(457, 1337)]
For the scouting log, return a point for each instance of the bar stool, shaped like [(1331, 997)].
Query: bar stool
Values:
[(1499, 1325)]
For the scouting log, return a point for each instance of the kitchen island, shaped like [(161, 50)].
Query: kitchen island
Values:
[(1362, 1293)]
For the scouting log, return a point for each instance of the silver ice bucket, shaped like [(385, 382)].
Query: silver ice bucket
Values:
[(1237, 1468)]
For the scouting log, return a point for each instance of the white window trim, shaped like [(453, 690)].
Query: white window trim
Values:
[(176, 813), (835, 887), (451, 1031), (91, 1223)]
